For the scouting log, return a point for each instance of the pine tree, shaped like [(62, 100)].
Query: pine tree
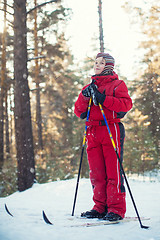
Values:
[(148, 101), (23, 125), (143, 143), (2, 89), (58, 91)]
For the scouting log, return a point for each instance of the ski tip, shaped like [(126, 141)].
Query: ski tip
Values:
[(46, 218), (6, 208)]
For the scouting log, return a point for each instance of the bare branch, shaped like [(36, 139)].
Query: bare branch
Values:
[(35, 89), (30, 59), (7, 5), (41, 5), (6, 11), (11, 23)]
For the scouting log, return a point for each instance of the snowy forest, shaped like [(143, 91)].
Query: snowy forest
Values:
[(40, 137)]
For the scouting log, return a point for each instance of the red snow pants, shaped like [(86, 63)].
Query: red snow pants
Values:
[(105, 175)]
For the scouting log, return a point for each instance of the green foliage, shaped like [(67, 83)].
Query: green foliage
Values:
[(8, 178), (59, 89), (140, 154), (142, 141)]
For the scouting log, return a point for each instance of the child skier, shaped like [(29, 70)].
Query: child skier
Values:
[(105, 174)]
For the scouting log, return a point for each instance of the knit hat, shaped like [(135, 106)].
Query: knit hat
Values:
[(109, 63)]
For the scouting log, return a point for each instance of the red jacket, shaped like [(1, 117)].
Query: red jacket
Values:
[(117, 102)]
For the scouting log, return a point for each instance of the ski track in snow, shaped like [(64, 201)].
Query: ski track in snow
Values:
[(56, 199)]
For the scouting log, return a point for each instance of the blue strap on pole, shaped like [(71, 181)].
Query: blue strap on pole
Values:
[(85, 131)]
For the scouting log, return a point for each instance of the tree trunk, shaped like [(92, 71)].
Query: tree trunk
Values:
[(7, 126), (100, 27), (38, 104), (3, 78), (23, 125), (1, 128)]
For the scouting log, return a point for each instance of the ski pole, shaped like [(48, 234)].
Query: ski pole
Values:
[(80, 164), (122, 169)]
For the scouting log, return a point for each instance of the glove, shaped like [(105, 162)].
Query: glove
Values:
[(96, 95), (87, 92)]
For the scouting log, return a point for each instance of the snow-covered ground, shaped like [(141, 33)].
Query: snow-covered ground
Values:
[(56, 199)]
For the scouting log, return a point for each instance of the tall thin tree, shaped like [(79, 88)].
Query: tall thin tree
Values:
[(7, 143), (23, 126), (101, 38), (2, 90), (38, 104)]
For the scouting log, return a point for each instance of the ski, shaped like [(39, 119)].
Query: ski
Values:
[(102, 223), (87, 223), (7, 210), (126, 218), (97, 223), (45, 218)]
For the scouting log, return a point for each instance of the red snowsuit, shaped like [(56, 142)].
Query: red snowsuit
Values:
[(105, 174)]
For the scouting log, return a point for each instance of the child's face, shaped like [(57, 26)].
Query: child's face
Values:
[(99, 65)]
